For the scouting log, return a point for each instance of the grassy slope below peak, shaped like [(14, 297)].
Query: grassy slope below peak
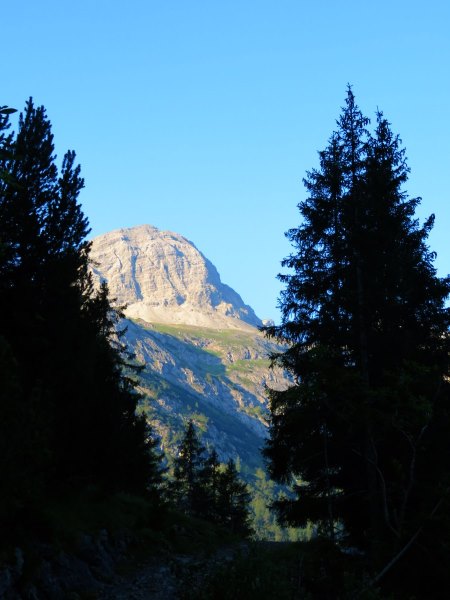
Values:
[(217, 378)]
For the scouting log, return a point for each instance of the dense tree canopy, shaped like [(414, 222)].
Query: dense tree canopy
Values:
[(67, 406), (202, 486), (364, 431)]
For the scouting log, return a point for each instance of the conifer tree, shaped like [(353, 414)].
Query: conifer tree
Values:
[(209, 477), (187, 486), (203, 487), (233, 502), (69, 379), (364, 316)]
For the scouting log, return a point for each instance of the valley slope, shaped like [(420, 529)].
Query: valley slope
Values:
[(202, 353)]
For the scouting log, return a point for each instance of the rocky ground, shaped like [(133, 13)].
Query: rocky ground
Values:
[(102, 568), (166, 578)]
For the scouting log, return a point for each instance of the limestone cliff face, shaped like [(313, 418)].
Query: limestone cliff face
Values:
[(162, 277), (203, 357)]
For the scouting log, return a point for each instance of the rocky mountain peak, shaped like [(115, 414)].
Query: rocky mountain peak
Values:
[(162, 277)]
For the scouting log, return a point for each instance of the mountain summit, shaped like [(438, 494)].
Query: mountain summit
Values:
[(162, 277), (203, 359)]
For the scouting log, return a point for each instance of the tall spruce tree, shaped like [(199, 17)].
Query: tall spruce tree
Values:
[(364, 430), (233, 501), (210, 474), (188, 486), (204, 487), (69, 379)]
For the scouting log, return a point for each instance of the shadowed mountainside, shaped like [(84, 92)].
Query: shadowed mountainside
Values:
[(204, 358), (215, 377)]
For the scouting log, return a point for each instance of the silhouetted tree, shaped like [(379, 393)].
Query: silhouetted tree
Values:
[(364, 317), (233, 501), (187, 486), (209, 478), (203, 487), (71, 378)]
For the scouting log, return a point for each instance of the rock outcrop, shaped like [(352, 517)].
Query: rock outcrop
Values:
[(162, 277), (217, 378), (203, 357)]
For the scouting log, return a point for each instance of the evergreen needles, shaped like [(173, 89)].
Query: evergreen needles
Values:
[(67, 408), (364, 432)]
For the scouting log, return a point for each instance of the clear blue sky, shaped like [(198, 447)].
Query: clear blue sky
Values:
[(202, 116)]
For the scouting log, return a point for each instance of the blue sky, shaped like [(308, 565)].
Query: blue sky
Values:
[(202, 116)]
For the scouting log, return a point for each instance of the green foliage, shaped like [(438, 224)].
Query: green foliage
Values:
[(202, 487), (223, 336), (365, 429), (188, 464), (233, 501), (264, 493), (201, 421), (246, 366)]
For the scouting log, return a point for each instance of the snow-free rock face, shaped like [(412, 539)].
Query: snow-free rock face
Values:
[(216, 377), (162, 277), (202, 356)]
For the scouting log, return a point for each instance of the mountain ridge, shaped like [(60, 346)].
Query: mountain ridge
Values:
[(204, 358), (162, 277)]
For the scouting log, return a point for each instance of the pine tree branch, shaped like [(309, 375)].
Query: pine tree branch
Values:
[(412, 467), (407, 546), (384, 492)]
